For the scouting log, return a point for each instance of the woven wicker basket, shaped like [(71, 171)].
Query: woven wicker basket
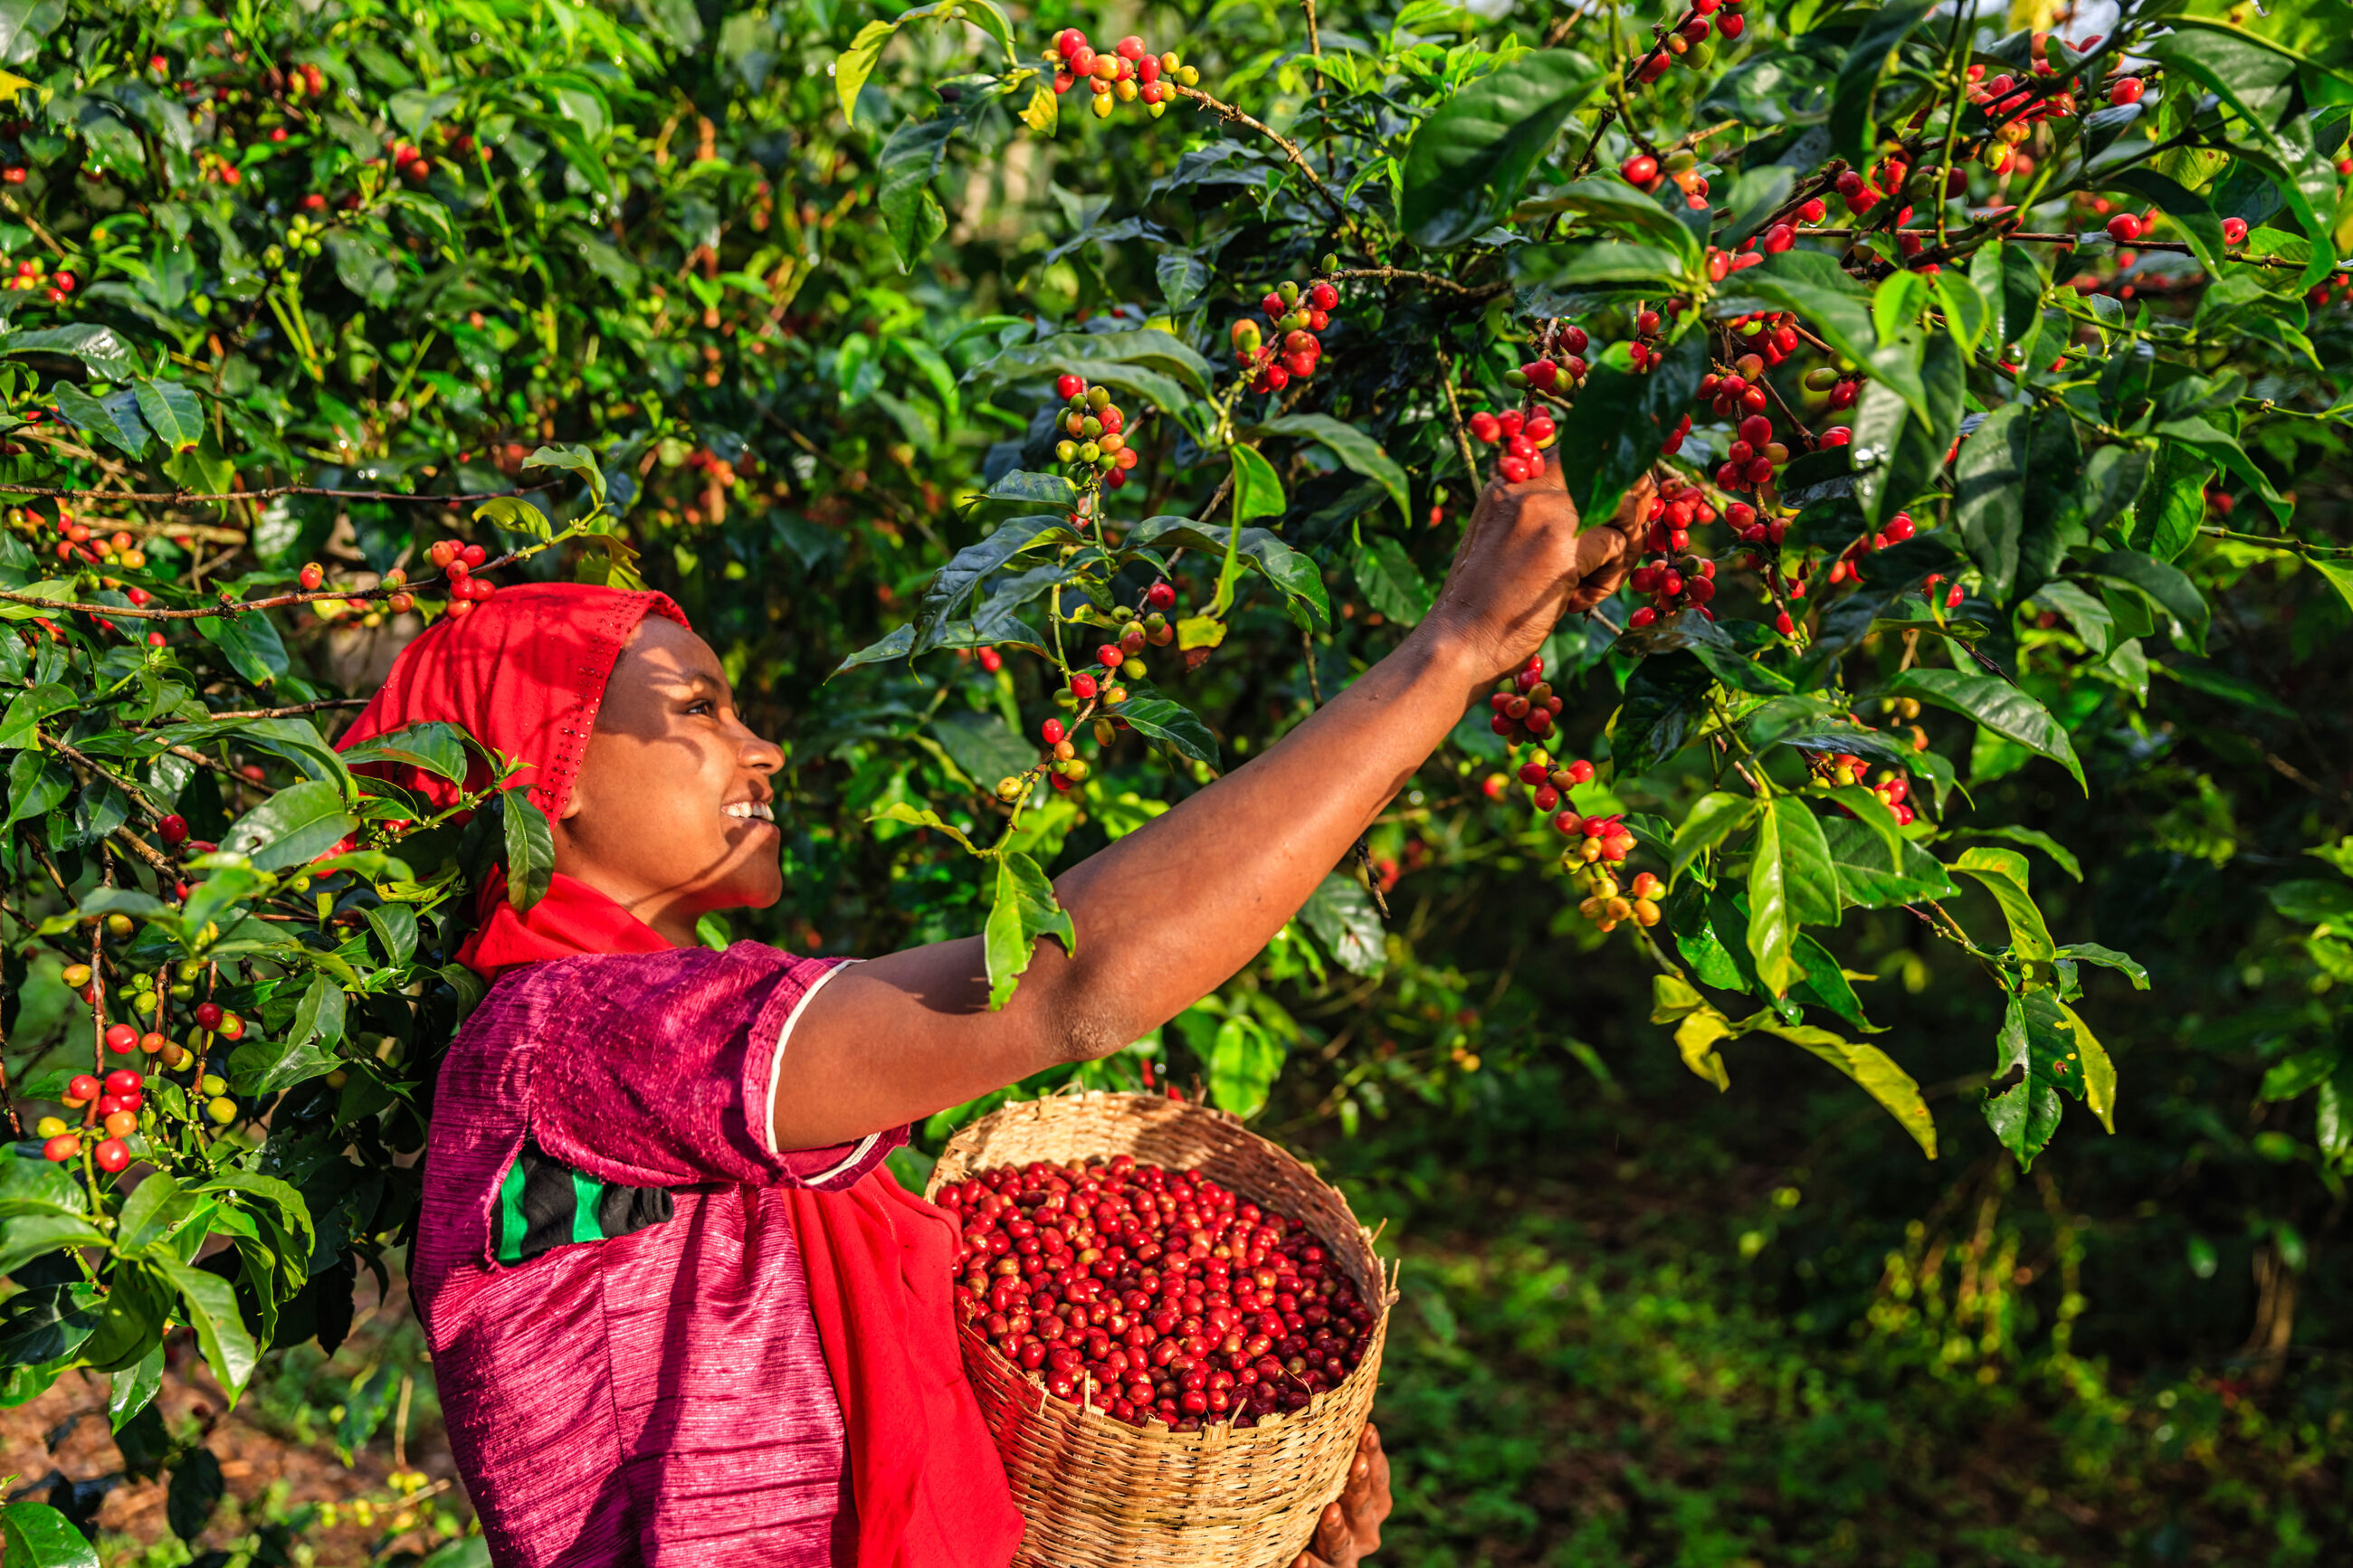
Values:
[(1098, 1493)]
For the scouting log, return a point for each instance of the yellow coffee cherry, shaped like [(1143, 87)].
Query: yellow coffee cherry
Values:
[(221, 1108)]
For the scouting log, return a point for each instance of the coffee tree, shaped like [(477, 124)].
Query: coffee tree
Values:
[(1960, 378)]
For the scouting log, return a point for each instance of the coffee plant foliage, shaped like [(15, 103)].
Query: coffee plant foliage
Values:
[(1039, 422)]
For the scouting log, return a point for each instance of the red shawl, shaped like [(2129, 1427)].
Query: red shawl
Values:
[(524, 673)]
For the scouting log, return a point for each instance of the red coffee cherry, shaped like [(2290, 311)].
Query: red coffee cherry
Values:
[(82, 1089), (1641, 169), (120, 1038), (2127, 90), (1160, 596), (63, 1147), (173, 830), (208, 1016), (1067, 387), (310, 576), (1082, 686), (123, 1080), (2123, 228), (1051, 732), (2234, 231), (112, 1155)]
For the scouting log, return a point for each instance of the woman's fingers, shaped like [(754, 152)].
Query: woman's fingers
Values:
[(1350, 1527)]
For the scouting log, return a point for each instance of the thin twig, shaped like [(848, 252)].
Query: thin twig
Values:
[(299, 709), (1290, 148), (1430, 279), (173, 498)]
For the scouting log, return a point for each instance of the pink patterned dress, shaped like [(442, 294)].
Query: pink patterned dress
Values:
[(610, 1284)]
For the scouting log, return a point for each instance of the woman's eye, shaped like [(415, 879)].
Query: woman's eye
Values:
[(700, 705)]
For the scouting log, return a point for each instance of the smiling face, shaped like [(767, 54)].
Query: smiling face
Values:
[(672, 815)]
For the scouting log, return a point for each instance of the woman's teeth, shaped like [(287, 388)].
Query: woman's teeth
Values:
[(752, 809)]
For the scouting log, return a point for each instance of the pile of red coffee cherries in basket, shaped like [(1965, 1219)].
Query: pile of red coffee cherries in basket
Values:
[(1154, 1295)]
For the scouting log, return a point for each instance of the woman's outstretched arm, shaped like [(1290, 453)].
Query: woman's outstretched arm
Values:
[(1173, 909)]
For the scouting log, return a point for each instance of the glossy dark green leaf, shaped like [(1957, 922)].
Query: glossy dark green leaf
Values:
[(1859, 859), (1295, 574), (1467, 161), (1665, 697), (195, 1494), (983, 746), (35, 1535), (530, 842), (1342, 915), (1851, 125), (1709, 643), (114, 420), (961, 578), (1392, 584), (1620, 422), (173, 412), (2166, 587), (2044, 1039), (249, 642), (1357, 452), (2173, 501), (438, 749), (210, 1304), (1792, 883), (1173, 724), (1996, 705), (1022, 912), (1712, 818), (300, 823)]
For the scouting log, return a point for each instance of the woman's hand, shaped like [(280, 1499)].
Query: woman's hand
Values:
[(1350, 1528), (1525, 561)]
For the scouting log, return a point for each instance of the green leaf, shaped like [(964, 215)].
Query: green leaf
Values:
[(1664, 697), (1620, 422), (35, 1535), (1637, 216), (2003, 873), (1357, 452), (984, 746), (1184, 278), (1244, 1061), (1294, 573), (1825, 985), (27, 709), (1790, 883), (1867, 1065), (1858, 859), (2167, 585), (2186, 207), (38, 783), (439, 749), (134, 1389), (2106, 958), (1467, 161), (297, 824), (173, 412), (961, 578), (1173, 724), (1852, 129), (1818, 288), (1342, 915), (2314, 902), (261, 1066), (908, 162), (251, 643), (573, 459), (1865, 806), (1022, 912), (2173, 502), (516, 515), (1257, 492), (210, 1302), (1711, 645), (153, 1207), (27, 1236), (115, 419), (2221, 449), (2033, 839), (1392, 583), (1995, 705), (101, 352), (1713, 817), (195, 1493), (855, 63), (530, 841)]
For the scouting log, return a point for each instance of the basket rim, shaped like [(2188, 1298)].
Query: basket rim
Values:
[(1222, 1435)]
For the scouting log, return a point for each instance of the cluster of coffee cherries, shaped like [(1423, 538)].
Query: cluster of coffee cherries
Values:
[(77, 541), (1524, 708), (1688, 41), (1649, 173), (1550, 376), (1669, 577), (455, 562), (1523, 436), (1609, 906), (1644, 350), (1127, 73), (1837, 388), (1294, 317), (1154, 1295), (33, 274), (1755, 455), (114, 1103), (1548, 779), (1892, 785), (1093, 444)]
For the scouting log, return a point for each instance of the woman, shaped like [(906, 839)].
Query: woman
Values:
[(679, 1311)]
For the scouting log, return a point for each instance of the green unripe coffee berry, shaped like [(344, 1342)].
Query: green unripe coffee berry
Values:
[(1010, 788), (1288, 290), (1099, 398), (1089, 453), (1066, 451), (1090, 428), (1332, 263)]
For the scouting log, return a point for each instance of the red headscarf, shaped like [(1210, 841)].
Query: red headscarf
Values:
[(524, 673)]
